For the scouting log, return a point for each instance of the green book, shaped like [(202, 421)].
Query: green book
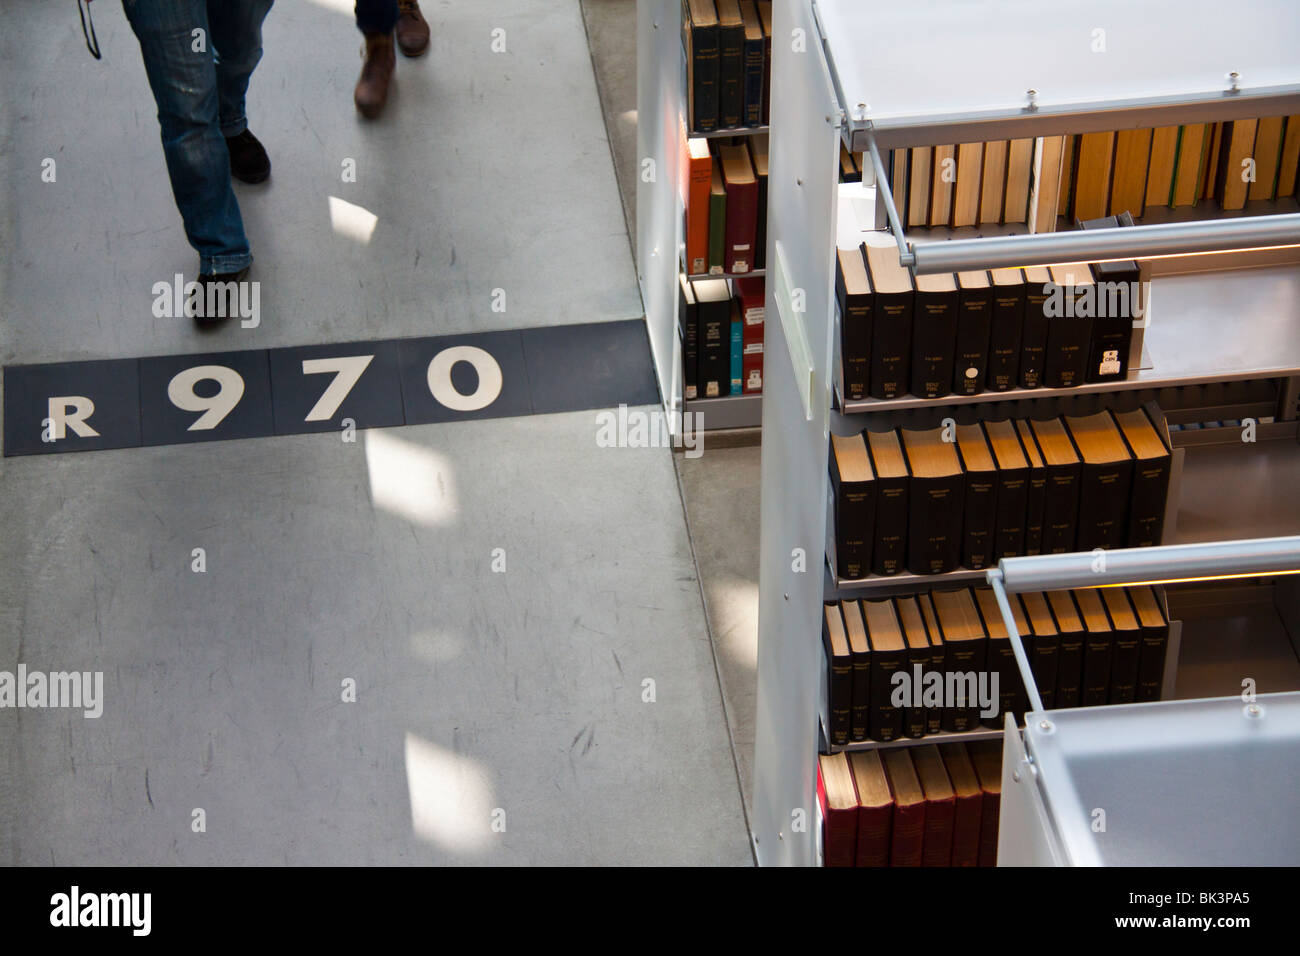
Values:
[(717, 221)]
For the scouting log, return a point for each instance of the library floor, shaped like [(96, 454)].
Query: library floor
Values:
[(498, 717)]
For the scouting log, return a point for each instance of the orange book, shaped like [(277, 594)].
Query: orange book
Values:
[(1128, 188), (1290, 159), (1092, 176), (699, 178)]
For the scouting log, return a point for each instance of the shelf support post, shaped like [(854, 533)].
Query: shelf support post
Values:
[(883, 194)]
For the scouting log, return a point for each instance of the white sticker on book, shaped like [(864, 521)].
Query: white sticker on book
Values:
[(1110, 364)]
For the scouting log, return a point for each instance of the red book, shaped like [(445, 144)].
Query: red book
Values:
[(699, 181), (839, 803), (939, 806), (986, 755), (969, 797), (875, 808), (905, 844), (752, 307), (742, 208)]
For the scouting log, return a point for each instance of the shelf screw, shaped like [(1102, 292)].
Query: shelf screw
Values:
[(1045, 726), (1253, 711), (1032, 96), (787, 597), (861, 112), (1234, 80), (1015, 775), (780, 834)]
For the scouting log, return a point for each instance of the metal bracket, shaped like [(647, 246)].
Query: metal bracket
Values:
[(906, 258)]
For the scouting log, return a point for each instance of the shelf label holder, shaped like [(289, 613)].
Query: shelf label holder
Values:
[(792, 326)]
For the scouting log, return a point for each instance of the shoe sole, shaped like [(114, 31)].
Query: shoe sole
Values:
[(252, 181), (414, 53)]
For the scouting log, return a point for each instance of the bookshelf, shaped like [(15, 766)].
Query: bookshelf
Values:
[(1224, 335)]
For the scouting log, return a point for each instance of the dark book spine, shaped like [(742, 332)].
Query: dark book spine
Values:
[(966, 830), (914, 717), (937, 846), (742, 226), (886, 719), (760, 226), (704, 78), (961, 666), (989, 829), (1066, 359), (753, 82), (980, 511), (934, 341), (1151, 662), (1060, 508), (1001, 662), (934, 526), (889, 547), (690, 347), (875, 825), (1112, 326), (935, 715), (1146, 521), (731, 75), (1104, 494), (767, 77), (715, 349), (839, 695), (855, 519), (1044, 656), (1012, 506), (1124, 666), (1005, 331), (1033, 337), (1096, 668), (979, 665), (840, 837), (1035, 503), (860, 709), (891, 345), (974, 322), (855, 340), (1069, 670), (905, 849)]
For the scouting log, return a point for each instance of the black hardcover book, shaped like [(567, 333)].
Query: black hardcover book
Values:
[(934, 334), (935, 503), (1098, 646), (1069, 661), (889, 549), (700, 23), (1151, 457), (1036, 491), (1155, 641), (888, 655), (853, 486), (1125, 648), (839, 674), (934, 713), (1119, 299), (1105, 481), (1043, 646), (1069, 327), (1033, 335), (690, 316), (758, 154), (1001, 658), (1061, 500), (965, 656), (974, 324), (713, 297), (920, 654), (1005, 329), (753, 59), (731, 64), (853, 291), (980, 511), (1012, 493), (891, 324), (860, 654), (765, 14)]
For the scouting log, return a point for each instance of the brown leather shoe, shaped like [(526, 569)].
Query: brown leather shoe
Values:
[(412, 28), (376, 72)]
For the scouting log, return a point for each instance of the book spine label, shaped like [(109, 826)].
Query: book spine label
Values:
[(891, 344), (935, 524), (1005, 331), (1124, 667), (1033, 337), (731, 76), (1060, 509), (1112, 330), (1012, 506), (974, 322), (934, 337), (980, 509), (1104, 494), (1147, 511), (888, 549)]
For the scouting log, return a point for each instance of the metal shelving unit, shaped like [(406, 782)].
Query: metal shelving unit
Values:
[(883, 75)]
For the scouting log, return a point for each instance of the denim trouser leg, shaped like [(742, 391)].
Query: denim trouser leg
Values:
[(184, 83), (376, 16), (237, 41)]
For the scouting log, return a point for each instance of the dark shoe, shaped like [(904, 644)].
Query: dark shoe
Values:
[(206, 318), (412, 28), (376, 72), (248, 160)]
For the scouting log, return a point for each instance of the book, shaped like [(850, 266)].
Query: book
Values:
[(1211, 153), (1034, 330), (1001, 659), (1235, 151), (839, 805), (1267, 152), (758, 154), (1125, 646), (966, 190), (1020, 169), (1005, 327), (855, 632), (943, 173), (986, 757), (934, 712), (919, 186), (920, 658), (1011, 496), (968, 805), (1098, 645), (751, 291), (1188, 164), (993, 182), (1061, 500), (974, 322), (1155, 641), (934, 334), (1035, 491), (965, 646), (875, 808), (765, 16), (906, 842), (1092, 175), (936, 498), (853, 292), (889, 548), (700, 36), (1071, 635), (752, 55), (888, 656), (689, 314), (731, 64), (737, 352), (717, 220), (940, 805), (742, 208), (891, 324), (1128, 188), (1043, 645), (1160, 171), (1069, 330), (1065, 196), (1146, 517), (713, 298), (848, 171), (1047, 184), (839, 675), (700, 179), (898, 181), (1105, 481), (980, 508), (853, 488), (1289, 161), (1118, 303)]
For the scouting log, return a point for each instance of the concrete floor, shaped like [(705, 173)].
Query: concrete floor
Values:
[(498, 717)]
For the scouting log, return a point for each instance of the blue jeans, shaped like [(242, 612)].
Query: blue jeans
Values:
[(376, 16), (200, 97)]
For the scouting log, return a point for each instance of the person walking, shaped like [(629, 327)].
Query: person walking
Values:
[(199, 55), (378, 20)]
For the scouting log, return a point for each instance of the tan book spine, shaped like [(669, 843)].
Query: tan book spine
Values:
[(1267, 152), (1187, 169), (1047, 185), (1092, 182), (944, 173), (1020, 170), (994, 183), (1129, 183), (918, 202), (1236, 181), (1290, 161), (1160, 174), (1210, 164), (1069, 153), (966, 190)]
